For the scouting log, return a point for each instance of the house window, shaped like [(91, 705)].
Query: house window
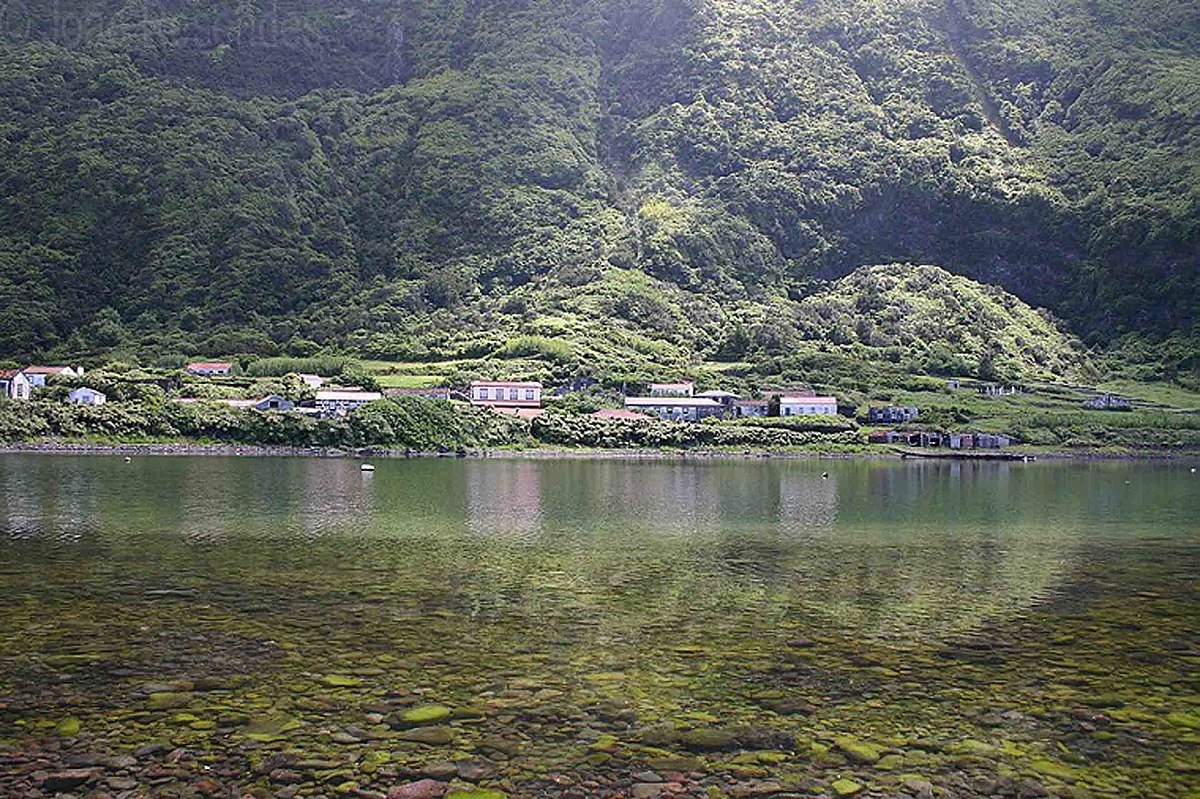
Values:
[(529, 394)]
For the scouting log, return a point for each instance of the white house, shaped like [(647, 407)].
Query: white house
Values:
[(506, 395), (273, 403), (672, 389), (14, 384), (37, 374), (808, 406), (209, 369), (676, 409), (87, 396), (336, 403)]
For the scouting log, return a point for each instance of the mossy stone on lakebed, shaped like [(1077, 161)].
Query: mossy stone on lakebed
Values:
[(68, 727), (846, 787), (169, 700), (341, 681), (859, 751), (424, 714)]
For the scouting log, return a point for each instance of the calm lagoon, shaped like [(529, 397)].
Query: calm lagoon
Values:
[(295, 627)]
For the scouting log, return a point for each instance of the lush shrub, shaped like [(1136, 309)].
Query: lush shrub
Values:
[(589, 431), (405, 423), (326, 366), (801, 424)]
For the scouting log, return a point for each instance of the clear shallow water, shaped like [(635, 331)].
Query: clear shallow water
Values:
[(981, 627)]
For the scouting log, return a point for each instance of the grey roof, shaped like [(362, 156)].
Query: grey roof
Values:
[(678, 402)]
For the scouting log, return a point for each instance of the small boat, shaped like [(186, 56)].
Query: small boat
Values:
[(366, 467)]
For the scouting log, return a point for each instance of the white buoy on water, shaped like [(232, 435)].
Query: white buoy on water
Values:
[(130, 460), (366, 467)]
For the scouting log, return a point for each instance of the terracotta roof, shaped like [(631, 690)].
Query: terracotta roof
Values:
[(214, 365), (9, 374), (45, 370)]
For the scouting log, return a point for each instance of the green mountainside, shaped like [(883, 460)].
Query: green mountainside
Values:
[(625, 182)]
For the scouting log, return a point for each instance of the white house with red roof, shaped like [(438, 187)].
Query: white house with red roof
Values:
[(500, 394), (38, 374), (808, 406), (207, 369), (14, 384)]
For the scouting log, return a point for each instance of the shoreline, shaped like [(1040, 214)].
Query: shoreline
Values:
[(185, 449)]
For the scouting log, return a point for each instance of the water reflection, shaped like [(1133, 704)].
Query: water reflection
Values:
[(894, 550)]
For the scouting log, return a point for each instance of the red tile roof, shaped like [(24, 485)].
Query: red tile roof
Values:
[(44, 370), (9, 374), (210, 366)]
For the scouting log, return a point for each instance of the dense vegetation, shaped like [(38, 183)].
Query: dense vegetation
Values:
[(404, 423), (609, 182)]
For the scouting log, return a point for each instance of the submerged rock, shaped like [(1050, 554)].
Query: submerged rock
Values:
[(423, 714), (858, 751), (846, 787), (422, 789), (63, 781), (431, 736)]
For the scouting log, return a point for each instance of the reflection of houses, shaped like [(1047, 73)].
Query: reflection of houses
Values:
[(808, 406), (339, 403), (504, 497), (1108, 402), (87, 396), (209, 369), (14, 384), (495, 394), (806, 500), (677, 409), (672, 389), (891, 415)]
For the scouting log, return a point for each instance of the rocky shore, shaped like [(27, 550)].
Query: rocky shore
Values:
[(183, 448)]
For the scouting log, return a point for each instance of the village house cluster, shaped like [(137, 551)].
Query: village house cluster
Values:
[(679, 402), (673, 402)]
